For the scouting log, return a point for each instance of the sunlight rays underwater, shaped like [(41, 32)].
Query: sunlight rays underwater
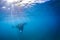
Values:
[(37, 18)]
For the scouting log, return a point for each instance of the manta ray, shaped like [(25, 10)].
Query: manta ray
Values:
[(20, 27)]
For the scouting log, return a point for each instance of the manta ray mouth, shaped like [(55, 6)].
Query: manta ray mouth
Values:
[(21, 31)]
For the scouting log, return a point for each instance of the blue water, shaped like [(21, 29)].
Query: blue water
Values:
[(42, 24)]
